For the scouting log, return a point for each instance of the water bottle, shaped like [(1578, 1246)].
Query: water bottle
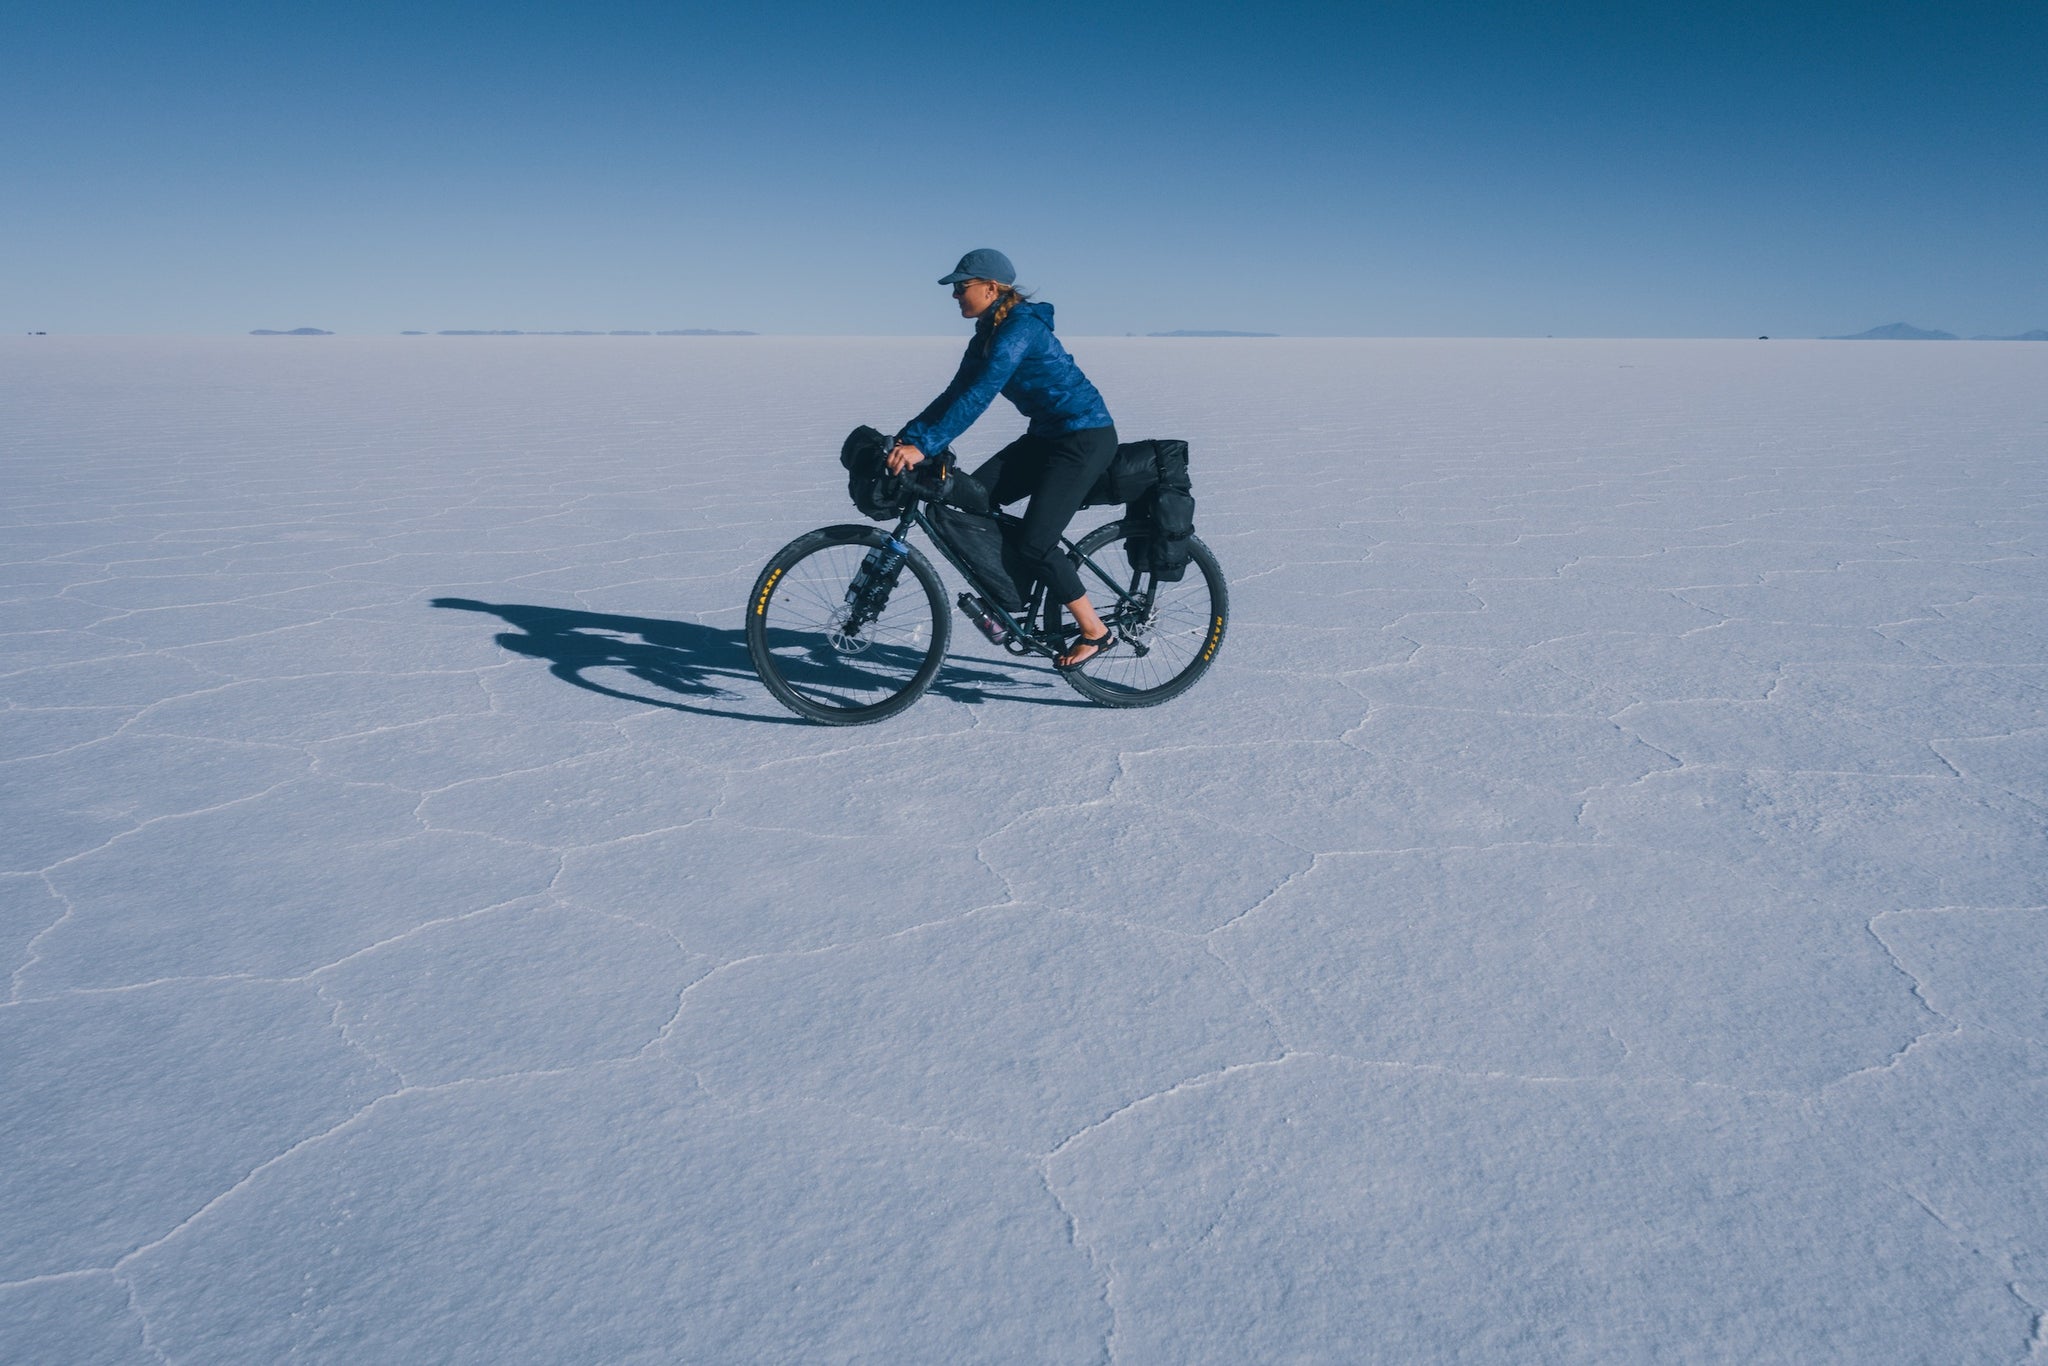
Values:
[(879, 568), (984, 620)]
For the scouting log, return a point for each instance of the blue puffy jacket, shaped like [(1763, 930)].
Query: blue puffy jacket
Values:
[(1026, 365)]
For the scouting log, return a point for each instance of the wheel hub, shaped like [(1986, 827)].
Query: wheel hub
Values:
[(1136, 631), (843, 630)]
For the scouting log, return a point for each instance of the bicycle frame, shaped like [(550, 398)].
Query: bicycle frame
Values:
[(1032, 639)]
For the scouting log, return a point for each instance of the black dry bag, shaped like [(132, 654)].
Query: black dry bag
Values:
[(877, 493), (1160, 520), (1132, 472)]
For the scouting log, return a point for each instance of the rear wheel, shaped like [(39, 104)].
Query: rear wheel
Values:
[(840, 657), (1167, 633)]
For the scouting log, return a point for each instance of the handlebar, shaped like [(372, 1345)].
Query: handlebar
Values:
[(937, 479)]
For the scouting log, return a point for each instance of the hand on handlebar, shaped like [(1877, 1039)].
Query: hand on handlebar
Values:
[(902, 457)]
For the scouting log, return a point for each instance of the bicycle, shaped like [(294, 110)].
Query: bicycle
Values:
[(836, 640)]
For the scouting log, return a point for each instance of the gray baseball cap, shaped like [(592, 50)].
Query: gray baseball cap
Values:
[(983, 263)]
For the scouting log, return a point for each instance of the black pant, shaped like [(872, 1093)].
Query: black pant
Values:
[(1057, 472)]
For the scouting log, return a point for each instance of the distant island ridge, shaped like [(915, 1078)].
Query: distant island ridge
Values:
[(515, 332), (1886, 332), (1908, 332), (579, 332)]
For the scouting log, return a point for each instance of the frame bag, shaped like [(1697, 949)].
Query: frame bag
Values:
[(977, 538)]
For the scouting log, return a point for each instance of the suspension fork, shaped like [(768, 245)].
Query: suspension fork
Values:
[(868, 594)]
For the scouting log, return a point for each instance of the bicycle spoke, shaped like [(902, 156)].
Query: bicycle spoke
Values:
[(816, 650), (1177, 629)]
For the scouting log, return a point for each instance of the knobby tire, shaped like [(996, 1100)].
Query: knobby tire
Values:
[(836, 680), (1187, 628)]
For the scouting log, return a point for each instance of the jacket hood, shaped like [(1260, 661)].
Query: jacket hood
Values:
[(1032, 308)]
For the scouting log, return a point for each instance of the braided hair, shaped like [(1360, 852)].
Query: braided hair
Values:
[(1007, 298)]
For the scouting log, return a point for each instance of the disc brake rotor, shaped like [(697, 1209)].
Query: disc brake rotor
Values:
[(845, 641), (1136, 631)]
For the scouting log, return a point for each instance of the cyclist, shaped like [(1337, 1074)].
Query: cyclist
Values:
[(1068, 445)]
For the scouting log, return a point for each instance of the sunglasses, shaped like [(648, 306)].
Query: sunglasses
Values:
[(961, 288)]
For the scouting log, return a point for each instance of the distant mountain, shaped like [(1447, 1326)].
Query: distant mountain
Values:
[(1206, 333), (515, 332), (1897, 332), (2038, 334), (295, 332)]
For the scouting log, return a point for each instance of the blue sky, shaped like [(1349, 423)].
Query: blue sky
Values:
[(1340, 169)]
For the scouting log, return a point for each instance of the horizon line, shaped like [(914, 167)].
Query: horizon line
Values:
[(703, 334)]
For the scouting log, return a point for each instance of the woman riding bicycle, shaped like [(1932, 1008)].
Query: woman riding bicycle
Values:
[(1068, 445)]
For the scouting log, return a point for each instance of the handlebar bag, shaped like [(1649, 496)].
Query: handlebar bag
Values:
[(879, 495)]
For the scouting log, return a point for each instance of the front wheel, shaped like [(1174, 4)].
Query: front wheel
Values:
[(1167, 633), (837, 654)]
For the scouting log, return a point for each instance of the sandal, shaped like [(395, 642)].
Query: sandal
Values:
[(1096, 646)]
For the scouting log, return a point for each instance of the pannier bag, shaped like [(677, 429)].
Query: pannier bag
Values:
[(1173, 523), (977, 538), (1161, 518), (877, 493)]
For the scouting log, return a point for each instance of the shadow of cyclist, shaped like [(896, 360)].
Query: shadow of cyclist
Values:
[(680, 658)]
